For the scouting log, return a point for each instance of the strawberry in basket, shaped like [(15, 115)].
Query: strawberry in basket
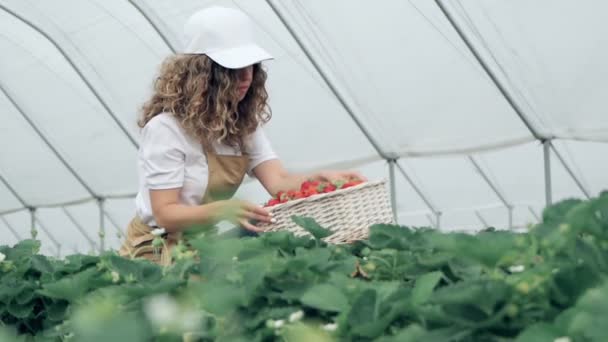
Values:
[(311, 188)]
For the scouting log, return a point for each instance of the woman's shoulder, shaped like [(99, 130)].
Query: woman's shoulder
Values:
[(162, 127), (164, 119)]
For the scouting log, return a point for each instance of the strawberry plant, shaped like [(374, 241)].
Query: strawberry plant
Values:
[(402, 284)]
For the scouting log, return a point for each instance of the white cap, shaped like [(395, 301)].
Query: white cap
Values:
[(225, 35)]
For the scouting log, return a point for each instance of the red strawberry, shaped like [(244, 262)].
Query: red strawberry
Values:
[(273, 202), (291, 194), (351, 183), (329, 188), (282, 196), (309, 192)]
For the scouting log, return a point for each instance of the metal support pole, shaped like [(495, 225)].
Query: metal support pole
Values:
[(80, 229), (121, 234), (481, 219), (102, 225), (431, 220), (11, 229), (495, 189), (547, 157), (424, 197), (438, 219), (391, 172), (571, 172), (12, 191), (51, 237), (533, 212), (33, 231)]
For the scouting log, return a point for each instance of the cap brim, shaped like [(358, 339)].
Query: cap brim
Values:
[(240, 57)]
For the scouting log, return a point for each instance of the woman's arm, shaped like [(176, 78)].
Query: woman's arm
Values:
[(173, 216), (274, 177)]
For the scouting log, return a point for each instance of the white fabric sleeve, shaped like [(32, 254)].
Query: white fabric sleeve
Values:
[(162, 153), (259, 149)]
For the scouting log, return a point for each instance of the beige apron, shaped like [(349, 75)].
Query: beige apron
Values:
[(225, 176)]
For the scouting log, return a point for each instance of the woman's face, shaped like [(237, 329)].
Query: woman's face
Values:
[(245, 77)]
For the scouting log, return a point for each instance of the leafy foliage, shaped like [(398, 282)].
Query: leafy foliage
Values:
[(399, 285)]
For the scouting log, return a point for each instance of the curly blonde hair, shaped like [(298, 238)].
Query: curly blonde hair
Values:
[(203, 95)]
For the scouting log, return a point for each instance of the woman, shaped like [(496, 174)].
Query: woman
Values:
[(201, 134)]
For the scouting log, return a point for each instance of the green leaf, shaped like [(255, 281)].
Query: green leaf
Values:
[(26, 295), (325, 297), (367, 318), (21, 311), (11, 288), (312, 227), (480, 293), (557, 212), (56, 310), (139, 269), (77, 262), (388, 236), (413, 333), (41, 264), (301, 332), (220, 298), (424, 287), (72, 287), (539, 332), (23, 249), (364, 309), (102, 322)]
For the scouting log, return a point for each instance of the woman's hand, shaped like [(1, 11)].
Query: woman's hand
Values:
[(331, 176), (241, 212)]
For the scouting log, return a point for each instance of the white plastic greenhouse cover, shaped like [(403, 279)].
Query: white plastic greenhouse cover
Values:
[(461, 100)]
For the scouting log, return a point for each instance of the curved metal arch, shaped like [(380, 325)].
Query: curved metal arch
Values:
[(156, 23), (335, 91), (570, 171), (545, 140), (63, 161), (422, 195), (338, 95), (508, 204), (10, 228), (76, 69), (46, 141)]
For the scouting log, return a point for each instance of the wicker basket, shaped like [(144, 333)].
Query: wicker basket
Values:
[(347, 212)]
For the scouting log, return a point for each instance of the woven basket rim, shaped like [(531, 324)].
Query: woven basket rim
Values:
[(319, 197)]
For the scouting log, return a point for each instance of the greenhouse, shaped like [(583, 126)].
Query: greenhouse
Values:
[(477, 114)]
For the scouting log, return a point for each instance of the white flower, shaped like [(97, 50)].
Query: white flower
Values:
[(296, 316), (330, 327), (161, 309), (189, 320), (2, 257), (278, 324), (563, 339), (115, 277), (234, 258), (166, 314), (158, 231), (365, 258), (517, 268), (272, 324)]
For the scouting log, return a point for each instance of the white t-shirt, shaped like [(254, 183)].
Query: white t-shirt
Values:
[(169, 158)]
